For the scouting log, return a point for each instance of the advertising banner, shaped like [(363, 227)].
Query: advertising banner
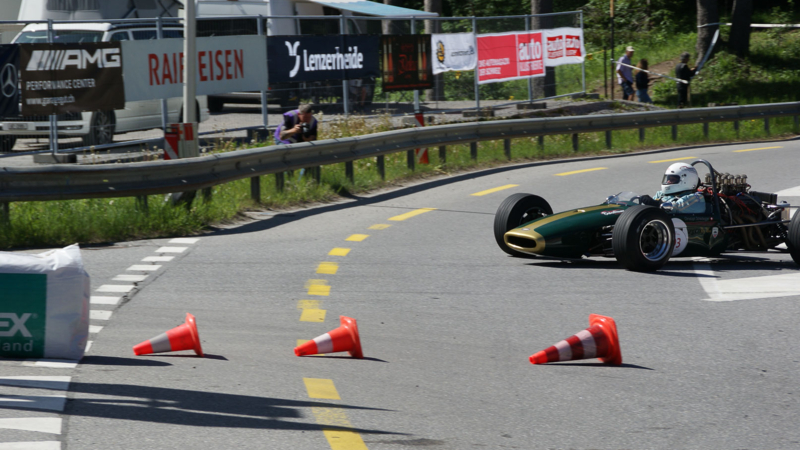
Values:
[(454, 52), (59, 78), (509, 56), (9, 80), (405, 62), (224, 64), (320, 58), (563, 46)]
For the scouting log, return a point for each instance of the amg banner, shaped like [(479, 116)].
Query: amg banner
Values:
[(9, 80), (319, 58), (59, 78), (405, 62)]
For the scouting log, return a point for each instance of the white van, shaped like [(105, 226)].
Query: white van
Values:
[(96, 127)]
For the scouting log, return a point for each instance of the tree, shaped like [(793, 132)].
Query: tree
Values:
[(543, 86), (707, 13), (739, 40), (433, 26), (392, 26)]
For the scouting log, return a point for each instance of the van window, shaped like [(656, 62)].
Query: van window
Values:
[(119, 36), (61, 36), (172, 33), (144, 35)]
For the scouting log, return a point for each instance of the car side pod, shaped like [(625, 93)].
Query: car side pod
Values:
[(343, 339), (600, 340), (182, 337)]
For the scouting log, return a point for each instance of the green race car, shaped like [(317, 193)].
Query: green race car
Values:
[(643, 238)]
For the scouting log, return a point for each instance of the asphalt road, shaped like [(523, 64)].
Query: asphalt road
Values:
[(447, 323)]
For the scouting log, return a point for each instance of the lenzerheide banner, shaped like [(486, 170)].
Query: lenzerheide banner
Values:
[(60, 78), (9, 80), (406, 62), (509, 56), (563, 46), (453, 52), (320, 58)]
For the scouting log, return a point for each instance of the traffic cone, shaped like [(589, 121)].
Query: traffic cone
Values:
[(600, 340), (343, 339), (182, 337)]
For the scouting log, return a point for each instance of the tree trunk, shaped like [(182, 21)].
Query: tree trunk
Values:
[(392, 26), (706, 13), (739, 40), (431, 27), (543, 86)]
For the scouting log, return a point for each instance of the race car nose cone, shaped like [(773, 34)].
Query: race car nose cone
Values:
[(524, 240)]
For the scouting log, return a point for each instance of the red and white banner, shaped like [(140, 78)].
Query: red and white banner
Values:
[(510, 56), (154, 69), (563, 46)]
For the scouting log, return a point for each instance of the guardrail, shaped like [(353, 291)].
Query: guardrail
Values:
[(161, 177)]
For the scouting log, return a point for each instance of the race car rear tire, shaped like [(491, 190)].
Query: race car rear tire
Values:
[(643, 238), (516, 210), (794, 237)]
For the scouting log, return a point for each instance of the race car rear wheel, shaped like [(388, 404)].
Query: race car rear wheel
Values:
[(515, 211), (643, 238), (794, 237)]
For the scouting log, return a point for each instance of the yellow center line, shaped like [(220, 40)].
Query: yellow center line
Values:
[(318, 287), (379, 226), (411, 214), (357, 237), (580, 171), (321, 388), (338, 251), (313, 315), (670, 160), (493, 190), (754, 149), (309, 304), (328, 268)]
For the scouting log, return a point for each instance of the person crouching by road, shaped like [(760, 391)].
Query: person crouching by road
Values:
[(625, 74), (298, 126), (642, 82)]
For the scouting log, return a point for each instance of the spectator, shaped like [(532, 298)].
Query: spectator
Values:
[(642, 82), (625, 74), (298, 126), (683, 72), (358, 93)]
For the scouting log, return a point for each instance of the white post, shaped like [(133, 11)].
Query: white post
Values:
[(189, 62), (416, 91), (53, 117), (164, 107)]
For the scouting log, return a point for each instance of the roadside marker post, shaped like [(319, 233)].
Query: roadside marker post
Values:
[(421, 153)]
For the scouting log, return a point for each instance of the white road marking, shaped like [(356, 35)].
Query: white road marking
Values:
[(144, 267), (42, 402), (116, 288), (37, 445), (50, 425), (95, 314), (771, 286), (51, 363), (134, 278), (171, 249), (88, 346), (94, 329), (60, 383), (158, 258), (101, 300), (184, 240)]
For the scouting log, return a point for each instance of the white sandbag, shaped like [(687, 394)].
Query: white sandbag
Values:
[(44, 304)]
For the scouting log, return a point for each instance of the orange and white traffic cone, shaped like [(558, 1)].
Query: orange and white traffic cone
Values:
[(182, 337), (600, 340), (343, 339)]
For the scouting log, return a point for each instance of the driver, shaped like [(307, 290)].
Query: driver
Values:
[(679, 189)]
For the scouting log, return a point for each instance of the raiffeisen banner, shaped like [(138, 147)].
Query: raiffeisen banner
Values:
[(510, 56), (563, 46), (224, 64), (319, 58)]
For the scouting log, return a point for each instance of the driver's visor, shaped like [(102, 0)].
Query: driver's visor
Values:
[(671, 179)]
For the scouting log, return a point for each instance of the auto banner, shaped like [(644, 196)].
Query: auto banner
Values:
[(509, 56), (9, 80), (319, 58), (564, 46), (453, 52), (405, 64), (60, 78), (224, 64)]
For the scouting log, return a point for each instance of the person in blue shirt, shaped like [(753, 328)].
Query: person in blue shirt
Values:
[(679, 190)]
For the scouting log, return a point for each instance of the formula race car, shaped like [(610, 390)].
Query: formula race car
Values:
[(643, 238)]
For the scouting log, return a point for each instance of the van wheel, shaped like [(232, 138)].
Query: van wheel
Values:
[(7, 143), (215, 105), (101, 129)]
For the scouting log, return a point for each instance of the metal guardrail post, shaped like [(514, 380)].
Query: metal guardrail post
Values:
[(255, 189), (641, 134), (575, 146), (736, 127), (141, 203), (443, 154), (473, 150), (507, 148), (411, 160), (608, 138), (5, 213), (316, 173), (766, 125), (705, 130), (349, 171), (541, 142), (280, 181), (674, 132), (207, 194), (381, 163)]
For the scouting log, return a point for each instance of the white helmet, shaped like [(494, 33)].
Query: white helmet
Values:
[(679, 177)]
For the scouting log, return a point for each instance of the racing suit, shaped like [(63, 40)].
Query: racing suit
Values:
[(688, 203)]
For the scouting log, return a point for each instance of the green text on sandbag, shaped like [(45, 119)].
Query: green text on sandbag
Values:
[(23, 314)]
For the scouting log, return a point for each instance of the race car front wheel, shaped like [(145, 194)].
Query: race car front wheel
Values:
[(517, 210), (643, 238), (794, 237)]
